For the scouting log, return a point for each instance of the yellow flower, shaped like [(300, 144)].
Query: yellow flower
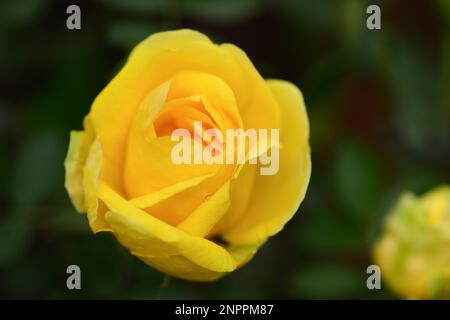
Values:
[(192, 221), (414, 251)]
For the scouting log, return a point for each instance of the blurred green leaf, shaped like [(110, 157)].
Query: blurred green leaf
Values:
[(14, 233), (15, 13), (221, 10), (318, 15), (356, 178), (324, 232), (443, 112), (127, 34), (65, 221), (97, 256), (352, 18), (66, 98), (418, 180), (4, 173), (414, 80), (445, 11), (322, 282), (39, 169), (135, 6)]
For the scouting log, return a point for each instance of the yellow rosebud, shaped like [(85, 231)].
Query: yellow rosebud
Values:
[(414, 250), (192, 221)]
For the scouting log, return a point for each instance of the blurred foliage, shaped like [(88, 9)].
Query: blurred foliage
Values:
[(379, 109)]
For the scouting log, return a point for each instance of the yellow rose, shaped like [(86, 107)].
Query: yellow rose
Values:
[(191, 221), (414, 250)]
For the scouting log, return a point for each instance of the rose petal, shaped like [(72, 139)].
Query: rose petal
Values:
[(145, 235), (153, 198), (205, 217), (91, 179), (75, 159), (276, 198), (259, 109)]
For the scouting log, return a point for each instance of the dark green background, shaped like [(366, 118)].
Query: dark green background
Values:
[(379, 109)]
